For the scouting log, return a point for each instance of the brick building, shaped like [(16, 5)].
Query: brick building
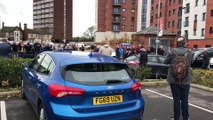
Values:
[(189, 18), (116, 18), (54, 15)]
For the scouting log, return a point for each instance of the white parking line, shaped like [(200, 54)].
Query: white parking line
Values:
[(198, 107), (3, 111)]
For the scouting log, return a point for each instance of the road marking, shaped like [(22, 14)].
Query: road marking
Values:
[(198, 107), (3, 111)]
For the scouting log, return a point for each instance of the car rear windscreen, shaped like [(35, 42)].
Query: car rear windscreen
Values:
[(96, 73)]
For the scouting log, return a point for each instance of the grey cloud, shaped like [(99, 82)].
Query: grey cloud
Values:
[(3, 9)]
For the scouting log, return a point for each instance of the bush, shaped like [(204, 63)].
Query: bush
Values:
[(142, 72), (10, 71), (203, 77)]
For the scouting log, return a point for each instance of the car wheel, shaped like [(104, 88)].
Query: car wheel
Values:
[(22, 90), (42, 113)]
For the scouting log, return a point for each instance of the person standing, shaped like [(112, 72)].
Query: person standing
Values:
[(179, 81), (205, 59), (143, 59), (106, 49), (15, 49), (5, 49)]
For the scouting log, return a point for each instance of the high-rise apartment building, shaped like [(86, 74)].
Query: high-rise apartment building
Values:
[(54, 15), (170, 13), (189, 18), (116, 19)]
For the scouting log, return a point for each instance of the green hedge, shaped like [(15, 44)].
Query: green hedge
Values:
[(10, 71), (203, 77)]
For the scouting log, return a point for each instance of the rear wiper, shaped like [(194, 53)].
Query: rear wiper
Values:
[(115, 81)]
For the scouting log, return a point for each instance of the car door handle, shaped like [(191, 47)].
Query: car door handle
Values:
[(38, 85)]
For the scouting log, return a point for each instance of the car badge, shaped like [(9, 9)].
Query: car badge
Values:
[(110, 87)]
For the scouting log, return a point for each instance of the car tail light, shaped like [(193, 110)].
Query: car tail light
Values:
[(62, 91), (136, 86)]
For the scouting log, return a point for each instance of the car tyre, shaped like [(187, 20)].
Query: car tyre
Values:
[(22, 90), (41, 113)]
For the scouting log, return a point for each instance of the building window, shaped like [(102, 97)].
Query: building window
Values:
[(123, 18), (123, 26), (115, 27), (186, 22), (152, 10), (179, 24), (195, 31), (133, 2), (173, 11), (204, 2), (203, 32), (195, 18), (170, 1), (115, 11), (124, 9), (151, 19), (168, 24), (133, 10), (161, 5), (174, 1), (157, 6), (160, 14), (152, 1), (132, 27), (169, 13), (211, 12), (211, 30), (186, 34), (173, 23), (187, 9), (196, 3), (123, 1), (180, 11), (180, 1), (156, 16), (133, 19), (204, 17)]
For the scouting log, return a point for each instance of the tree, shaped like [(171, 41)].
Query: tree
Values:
[(89, 33)]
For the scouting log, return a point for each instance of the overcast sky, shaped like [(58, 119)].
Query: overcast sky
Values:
[(14, 11)]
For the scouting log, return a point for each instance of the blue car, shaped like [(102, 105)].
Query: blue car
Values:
[(81, 86)]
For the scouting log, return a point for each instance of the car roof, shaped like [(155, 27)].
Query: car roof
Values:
[(79, 57)]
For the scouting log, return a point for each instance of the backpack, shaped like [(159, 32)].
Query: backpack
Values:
[(180, 66)]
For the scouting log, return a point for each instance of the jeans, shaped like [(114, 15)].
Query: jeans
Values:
[(180, 100)]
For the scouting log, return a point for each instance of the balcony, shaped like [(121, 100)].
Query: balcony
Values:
[(116, 13), (116, 30), (115, 21), (116, 3)]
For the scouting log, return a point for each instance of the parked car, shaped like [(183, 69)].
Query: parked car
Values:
[(198, 56), (211, 63), (81, 86), (155, 62)]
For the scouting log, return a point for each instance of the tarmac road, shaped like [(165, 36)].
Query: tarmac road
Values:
[(158, 105)]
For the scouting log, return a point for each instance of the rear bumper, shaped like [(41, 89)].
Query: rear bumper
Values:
[(62, 112)]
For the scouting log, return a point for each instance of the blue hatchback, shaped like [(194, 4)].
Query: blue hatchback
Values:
[(81, 86)]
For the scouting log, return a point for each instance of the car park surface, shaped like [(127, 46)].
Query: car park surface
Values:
[(81, 86), (158, 104)]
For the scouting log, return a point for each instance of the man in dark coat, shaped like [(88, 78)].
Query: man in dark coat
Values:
[(179, 91), (5, 49)]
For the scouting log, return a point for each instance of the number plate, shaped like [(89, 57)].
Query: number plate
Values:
[(107, 99)]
